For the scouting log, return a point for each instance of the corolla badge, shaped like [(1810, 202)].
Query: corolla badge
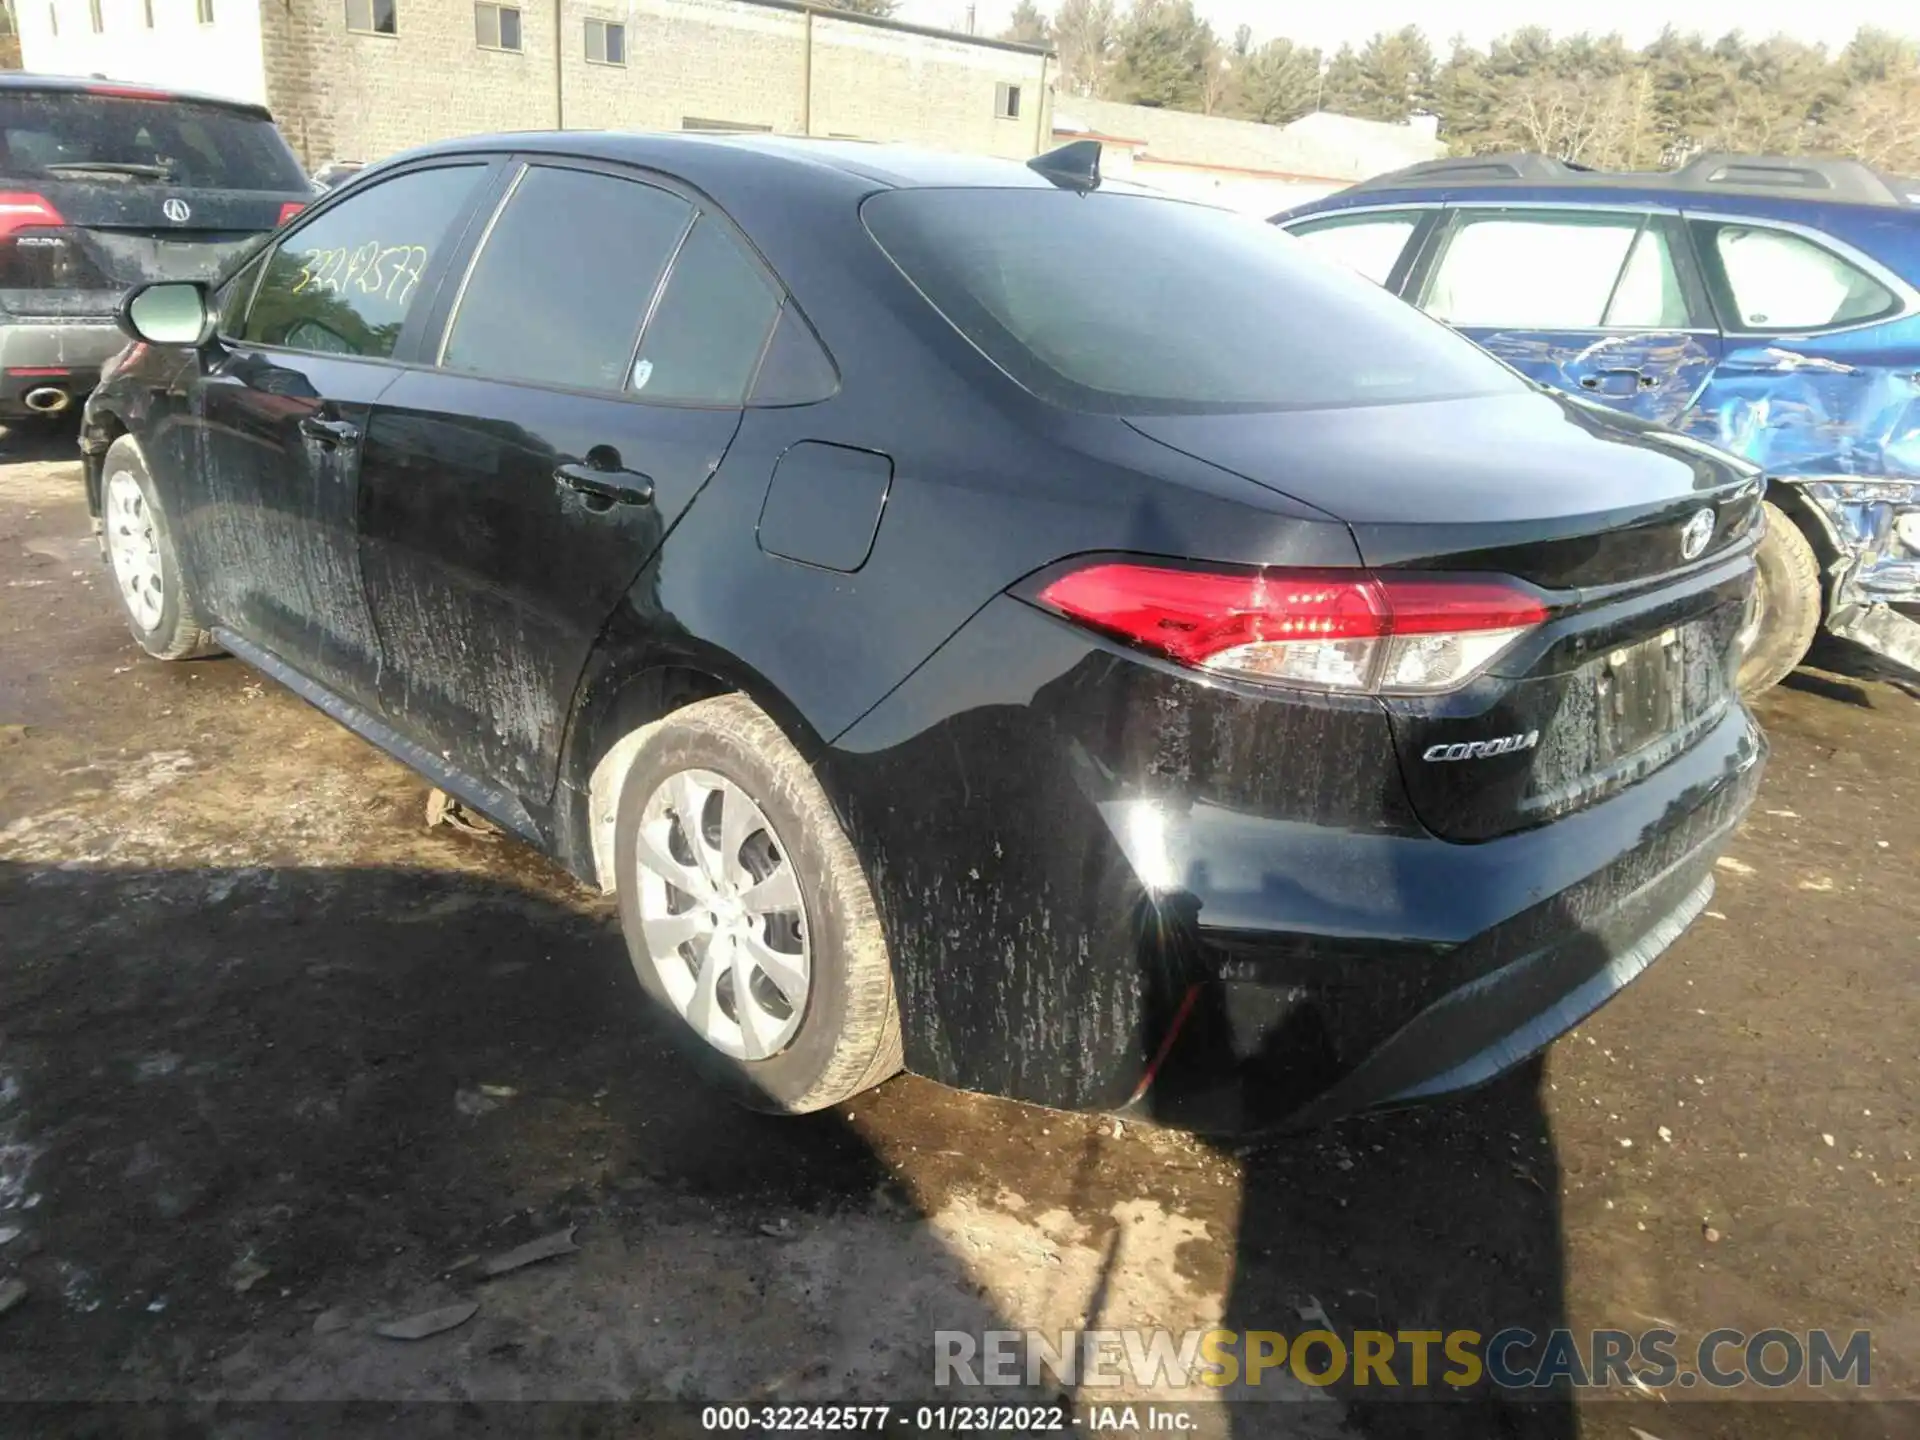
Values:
[(1483, 749), (1698, 531), (177, 211)]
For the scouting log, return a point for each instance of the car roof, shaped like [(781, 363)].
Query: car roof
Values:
[(691, 152), (122, 89), (1804, 178)]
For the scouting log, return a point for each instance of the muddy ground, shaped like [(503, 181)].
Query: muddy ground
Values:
[(276, 1061)]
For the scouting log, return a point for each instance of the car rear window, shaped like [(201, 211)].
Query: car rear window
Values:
[(208, 146), (1134, 304)]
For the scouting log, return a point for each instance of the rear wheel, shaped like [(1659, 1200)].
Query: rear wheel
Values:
[(747, 914), (139, 548), (1786, 613)]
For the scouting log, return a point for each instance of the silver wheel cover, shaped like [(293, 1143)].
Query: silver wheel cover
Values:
[(722, 915), (134, 549)]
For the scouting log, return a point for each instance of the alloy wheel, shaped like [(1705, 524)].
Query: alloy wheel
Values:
[(721, 910)]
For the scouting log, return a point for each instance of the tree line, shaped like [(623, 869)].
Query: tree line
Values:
[(1585, 98)]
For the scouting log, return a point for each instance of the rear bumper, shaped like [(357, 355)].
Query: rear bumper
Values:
[(1273, 1041), (1107, 884), (64, 354)]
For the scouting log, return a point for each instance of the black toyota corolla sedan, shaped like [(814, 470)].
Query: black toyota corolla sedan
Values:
[(1068, 643)]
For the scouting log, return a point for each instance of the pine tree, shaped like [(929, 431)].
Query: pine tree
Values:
[(1464, 96), (1085, 34), (1165, 54), (1028, 25), (1341, 88), (1394, 76), (1279, 82)]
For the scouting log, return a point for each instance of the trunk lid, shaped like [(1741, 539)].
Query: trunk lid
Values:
[(107, 186), (1606, 516)]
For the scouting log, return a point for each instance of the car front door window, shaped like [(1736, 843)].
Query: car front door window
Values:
[(345, 282)]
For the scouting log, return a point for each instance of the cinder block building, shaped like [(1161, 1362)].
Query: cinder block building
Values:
[(360, 79)]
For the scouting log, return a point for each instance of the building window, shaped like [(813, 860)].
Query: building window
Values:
[(606, 42), (203, 11), (1006, 101), (94, 16), (496, 27), (373, 17)]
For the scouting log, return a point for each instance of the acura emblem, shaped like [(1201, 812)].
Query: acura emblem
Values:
[(1694, 538), (176, 211)]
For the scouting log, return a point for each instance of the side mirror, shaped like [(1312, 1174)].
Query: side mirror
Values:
[(165, 312)]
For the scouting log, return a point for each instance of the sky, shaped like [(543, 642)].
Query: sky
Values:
[(1328, 25)]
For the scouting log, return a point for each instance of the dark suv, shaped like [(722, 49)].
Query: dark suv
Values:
[(1768, 305), (106, 185)]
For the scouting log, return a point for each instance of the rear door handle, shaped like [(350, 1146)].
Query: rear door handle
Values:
[(329, 432), (609, 487), (1619, 382)]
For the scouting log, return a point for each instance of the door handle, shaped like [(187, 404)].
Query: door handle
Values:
[(608, 487), (1619, 382), (329, 432)]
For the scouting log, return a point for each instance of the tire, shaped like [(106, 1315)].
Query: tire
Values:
[(137, 545), (1787, 606), (844, 1035)]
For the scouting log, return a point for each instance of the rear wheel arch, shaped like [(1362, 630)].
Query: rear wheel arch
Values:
[(623, 700), (103, 427)]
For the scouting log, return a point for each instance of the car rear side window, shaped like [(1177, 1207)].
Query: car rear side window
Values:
[(705, 340), (564, 280), (1781, 281), (60, 134), (344, 282), (1369, 245), (1121, 303), (1556, 272)]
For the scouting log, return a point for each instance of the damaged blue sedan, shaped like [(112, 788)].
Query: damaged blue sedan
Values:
[(1767, 305)]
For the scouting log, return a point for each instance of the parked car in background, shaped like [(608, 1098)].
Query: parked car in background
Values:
[(1768, 305), (1073, 643), (329, 177), (109, 185)]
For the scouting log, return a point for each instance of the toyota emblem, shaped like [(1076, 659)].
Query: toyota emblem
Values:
[(176, 211), (1694, 538)]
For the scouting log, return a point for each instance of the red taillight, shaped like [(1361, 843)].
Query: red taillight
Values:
[(20, 211), (289, 210), (129, 92), (1333, 629)]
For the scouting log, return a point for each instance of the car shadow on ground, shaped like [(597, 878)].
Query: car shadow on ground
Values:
[(29, 441), (247, 1113), (238, 1103), (1436, 1219)]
